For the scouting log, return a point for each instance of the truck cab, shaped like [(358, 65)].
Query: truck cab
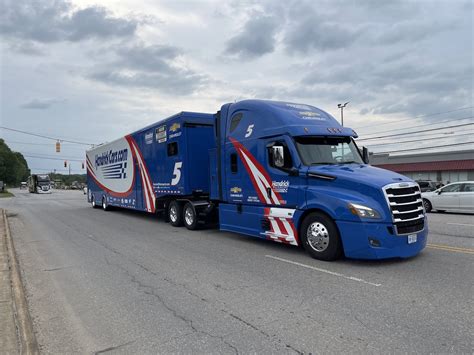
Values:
[(292, 174)]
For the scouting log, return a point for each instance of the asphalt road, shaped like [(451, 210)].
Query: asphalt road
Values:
[(130, 283)]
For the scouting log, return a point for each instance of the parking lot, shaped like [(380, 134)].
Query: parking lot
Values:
[(129, 282)]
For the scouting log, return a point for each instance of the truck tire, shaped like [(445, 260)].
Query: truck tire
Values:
[(190, 216), (427, 205), (93, 204), (320, 237), (105, 205), (175, 214)]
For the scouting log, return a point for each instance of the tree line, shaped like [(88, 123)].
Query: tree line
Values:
[(13, 166)]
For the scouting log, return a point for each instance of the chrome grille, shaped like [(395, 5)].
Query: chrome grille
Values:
[(406, 205)]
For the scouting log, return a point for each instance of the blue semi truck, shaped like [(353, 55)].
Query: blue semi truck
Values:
[(281, 171)]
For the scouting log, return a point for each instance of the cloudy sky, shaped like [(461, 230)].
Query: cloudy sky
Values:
[(91, 70)]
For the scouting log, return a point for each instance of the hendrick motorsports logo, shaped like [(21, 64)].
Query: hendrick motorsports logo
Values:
[(111, 157), (281, 186)]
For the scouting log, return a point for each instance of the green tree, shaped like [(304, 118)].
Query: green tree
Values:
[(13, 166)]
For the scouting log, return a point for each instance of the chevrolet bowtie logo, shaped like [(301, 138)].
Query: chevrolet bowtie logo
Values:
[(174, 127)]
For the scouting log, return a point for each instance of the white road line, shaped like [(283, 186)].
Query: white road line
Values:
[(323, 270), (461, 224)]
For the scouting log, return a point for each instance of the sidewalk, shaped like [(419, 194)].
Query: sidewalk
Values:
[(8, 336), (16, 332)]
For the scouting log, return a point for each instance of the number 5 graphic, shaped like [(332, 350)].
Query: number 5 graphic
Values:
[(176, 173), (249, 131)]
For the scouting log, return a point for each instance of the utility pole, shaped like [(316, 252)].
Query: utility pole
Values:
[(341, 106)]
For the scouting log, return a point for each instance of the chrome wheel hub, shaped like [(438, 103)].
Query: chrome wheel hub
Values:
[(173, 214), (189, 216), (318, 236)]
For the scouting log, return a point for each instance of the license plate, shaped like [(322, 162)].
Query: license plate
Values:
[(411, 238)]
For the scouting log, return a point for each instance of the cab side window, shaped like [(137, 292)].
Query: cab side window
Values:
[(279, 158)]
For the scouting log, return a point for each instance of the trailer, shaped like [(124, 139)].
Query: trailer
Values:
[(280, 171)]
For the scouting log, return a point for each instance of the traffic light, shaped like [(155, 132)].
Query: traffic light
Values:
[(58, 146), (65, 163)]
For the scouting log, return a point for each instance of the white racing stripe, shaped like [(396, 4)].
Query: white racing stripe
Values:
[(260, 179), (352, 278)]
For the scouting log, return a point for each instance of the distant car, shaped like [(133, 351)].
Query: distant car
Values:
[(23, 185), (2, 186), (427, 185), (85, 190), (457, 197)]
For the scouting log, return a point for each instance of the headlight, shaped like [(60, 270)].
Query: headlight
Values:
[(363, 211)]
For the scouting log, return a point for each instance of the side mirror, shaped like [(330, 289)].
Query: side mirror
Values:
[(365, 155), (278, 156), (439, 192)]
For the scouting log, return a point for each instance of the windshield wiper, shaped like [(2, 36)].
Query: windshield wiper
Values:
[(349, 162)]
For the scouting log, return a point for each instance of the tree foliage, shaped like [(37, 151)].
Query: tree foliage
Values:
[(13, 166)]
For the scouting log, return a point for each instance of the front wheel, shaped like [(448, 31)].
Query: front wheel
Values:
[(320, 237), (427, 205), (190, 216)]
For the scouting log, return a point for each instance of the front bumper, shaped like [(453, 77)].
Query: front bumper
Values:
[(355, 240)]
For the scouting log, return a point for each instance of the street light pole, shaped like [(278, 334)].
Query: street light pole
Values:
[(341, 106)]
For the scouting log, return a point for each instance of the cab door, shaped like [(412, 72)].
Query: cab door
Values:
[(281, 163)]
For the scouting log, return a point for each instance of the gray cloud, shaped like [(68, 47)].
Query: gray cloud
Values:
[(53, 21), (153, 67), (41, 104), (257, 37)]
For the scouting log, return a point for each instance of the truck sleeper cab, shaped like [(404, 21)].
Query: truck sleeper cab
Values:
[(289, 173)]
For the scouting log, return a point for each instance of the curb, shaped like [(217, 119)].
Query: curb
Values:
[(27, 339)]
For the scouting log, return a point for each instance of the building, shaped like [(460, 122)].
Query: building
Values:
[(440, 167)]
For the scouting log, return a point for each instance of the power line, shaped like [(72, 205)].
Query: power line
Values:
[(43, 144), (424, 125), (53, 156), (424, 148), (43, 136), (406, 133), (428, 115), (421, 140), (43, 157)]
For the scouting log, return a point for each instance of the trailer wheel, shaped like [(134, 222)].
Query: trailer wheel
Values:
[(94, 205), (190, 216), (175, 214), (320, 237), (105, 205)]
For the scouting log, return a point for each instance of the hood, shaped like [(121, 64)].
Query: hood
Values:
[(360, 174)]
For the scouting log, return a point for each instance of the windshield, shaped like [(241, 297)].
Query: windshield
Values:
[(327, 150), (43, 180)]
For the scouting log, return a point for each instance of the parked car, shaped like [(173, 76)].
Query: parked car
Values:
[(457, 196), (427, 185)]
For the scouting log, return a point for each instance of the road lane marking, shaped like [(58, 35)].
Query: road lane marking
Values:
[(461, 224), (323, 270), (450, 248)]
